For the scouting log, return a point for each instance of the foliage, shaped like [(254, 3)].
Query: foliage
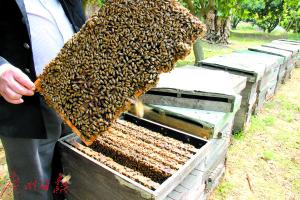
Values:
[(291, 16), (200, 8), (264, 13), (267, 14), (215, 14)]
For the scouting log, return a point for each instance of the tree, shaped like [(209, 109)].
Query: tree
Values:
[(291, 16), (216, 15), (266, 14), (243, 11), (269, 14)]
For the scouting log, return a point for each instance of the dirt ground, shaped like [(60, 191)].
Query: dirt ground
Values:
[(263, 162)]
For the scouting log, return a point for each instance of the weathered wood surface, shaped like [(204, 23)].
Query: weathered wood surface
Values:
[(238, 82), (237, 64), (204, 178), (202, 123), (291, 42), (290, 59), (99, 179), (243, 115), (286, 47), (271, 63), (194, 87), (286, 54)]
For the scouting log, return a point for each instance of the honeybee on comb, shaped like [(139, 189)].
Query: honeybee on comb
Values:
[(116, 56)]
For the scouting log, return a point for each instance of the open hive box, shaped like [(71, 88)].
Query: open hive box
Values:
[(146, 161)]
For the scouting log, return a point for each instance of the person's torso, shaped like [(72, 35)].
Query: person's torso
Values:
[(49, 30)]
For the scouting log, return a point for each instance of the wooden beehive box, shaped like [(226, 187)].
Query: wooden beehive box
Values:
[(290, 42), (202, 123), (254, 74), (193, 87), (203, 180), (218, 125), (289, 61), (284, 46), (268, 84), (94, 180)]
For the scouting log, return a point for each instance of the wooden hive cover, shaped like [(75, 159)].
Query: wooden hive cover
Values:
[(116, 56), (194, 87), (284, 46), (237, 64), (295, 42), (278, 52)]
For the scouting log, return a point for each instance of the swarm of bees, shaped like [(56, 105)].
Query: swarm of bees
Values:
[(116, 56), (146, 156)]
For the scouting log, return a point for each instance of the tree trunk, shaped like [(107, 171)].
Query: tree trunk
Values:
[(218, 29), (198, 51), (235, 22), (197, 46)]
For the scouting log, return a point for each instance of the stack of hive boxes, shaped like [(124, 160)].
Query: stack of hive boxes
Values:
[(201, 102)]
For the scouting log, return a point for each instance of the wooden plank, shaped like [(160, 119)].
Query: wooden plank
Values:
[(243, 115), (203, 130), (193, 78), (238, 82), (194, 88), (290, 48), (236, 64), (287, 55), (290, 42), (293, 41), (213, 121), (213, 104), (193, 186)]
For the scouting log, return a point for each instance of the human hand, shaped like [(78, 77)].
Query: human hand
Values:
[(14, 84)]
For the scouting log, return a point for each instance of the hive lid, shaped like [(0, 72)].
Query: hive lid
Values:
[(286, 54), (192, 78), (237, 64), (194, 87), (213, 120), (289, 41), (269, 60), (284, 46)]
